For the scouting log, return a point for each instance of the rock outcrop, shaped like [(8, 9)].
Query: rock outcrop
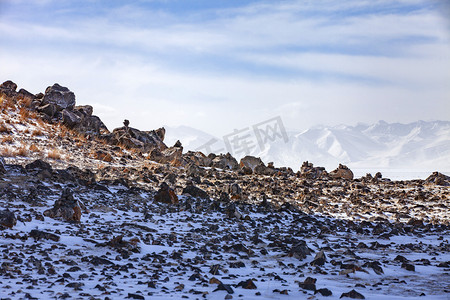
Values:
[(250, 164), (58, 104), (166, 195), (60, 97), (8, 89), (133, 138), (308, 171), (172, 156), (66, 208), (342, 172), (224, 161), (438, 179)]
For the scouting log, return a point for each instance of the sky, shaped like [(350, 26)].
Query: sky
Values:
[(224, 65)]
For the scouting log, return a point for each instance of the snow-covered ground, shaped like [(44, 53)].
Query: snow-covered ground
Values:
[(196, 250)]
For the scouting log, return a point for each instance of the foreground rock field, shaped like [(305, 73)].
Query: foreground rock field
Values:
[(86, 213)]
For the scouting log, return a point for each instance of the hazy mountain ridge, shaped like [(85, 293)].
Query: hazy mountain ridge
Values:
[(417, 145)]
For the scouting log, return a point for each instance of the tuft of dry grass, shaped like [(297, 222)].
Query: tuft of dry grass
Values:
[(37, 132), (54, 154), (22, 151), (7, 152), (24, 114), (7, 139), (4, 129), (34, 148), (25, 101)]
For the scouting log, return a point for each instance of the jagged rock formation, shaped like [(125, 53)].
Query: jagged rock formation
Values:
[(342, 172), (439, 179), (66, 208)]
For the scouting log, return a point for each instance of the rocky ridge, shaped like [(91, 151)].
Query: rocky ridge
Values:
[(89, 213)]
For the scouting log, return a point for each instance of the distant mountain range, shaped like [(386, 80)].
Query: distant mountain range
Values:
[(415, 146)]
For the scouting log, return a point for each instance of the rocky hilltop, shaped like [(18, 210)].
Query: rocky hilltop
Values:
[(86, 212)]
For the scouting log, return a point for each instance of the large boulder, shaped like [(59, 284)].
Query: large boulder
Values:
[(70, 118), (48, 109), (80, 118), (224, 161), (308, 171), (166, 195), (251, 162), (342, 172), (172, 156), (131, 138), (39, 165), (66, 208), (255, 165), (198, 158), (8, 88), (7, 218), (438, 179), (195, 192), (60, 97)]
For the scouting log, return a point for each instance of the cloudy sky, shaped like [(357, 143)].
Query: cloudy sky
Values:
[(220, 65)]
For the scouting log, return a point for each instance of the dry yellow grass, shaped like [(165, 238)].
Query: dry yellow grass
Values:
[(37, 132), (54, 154), (24, 114), (7, 139), (4, 129), (25, 102), (6, 152), (34, 148), (22, 151)]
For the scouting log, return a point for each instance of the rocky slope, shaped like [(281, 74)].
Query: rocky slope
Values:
[(92, 214)]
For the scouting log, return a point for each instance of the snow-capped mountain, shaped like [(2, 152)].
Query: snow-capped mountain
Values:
[(415, 146)]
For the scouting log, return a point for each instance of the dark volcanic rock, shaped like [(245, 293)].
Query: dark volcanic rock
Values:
[(133, 138), (247, 284), (166, 195), (38, 235), (7, 218), (300, 250), (60, 97), (353, 294), (8, 88), (2, 165), (39, 165), (195, 192), (224, 287), (320, 259), (324, 292), (308, 284), (66, 208)]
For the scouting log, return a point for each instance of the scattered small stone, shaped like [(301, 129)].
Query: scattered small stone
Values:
[(353, 294)]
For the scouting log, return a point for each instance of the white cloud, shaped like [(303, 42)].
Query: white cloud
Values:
[(245, 66)]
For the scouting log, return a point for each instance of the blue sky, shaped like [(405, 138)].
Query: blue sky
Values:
[(220, 65)]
